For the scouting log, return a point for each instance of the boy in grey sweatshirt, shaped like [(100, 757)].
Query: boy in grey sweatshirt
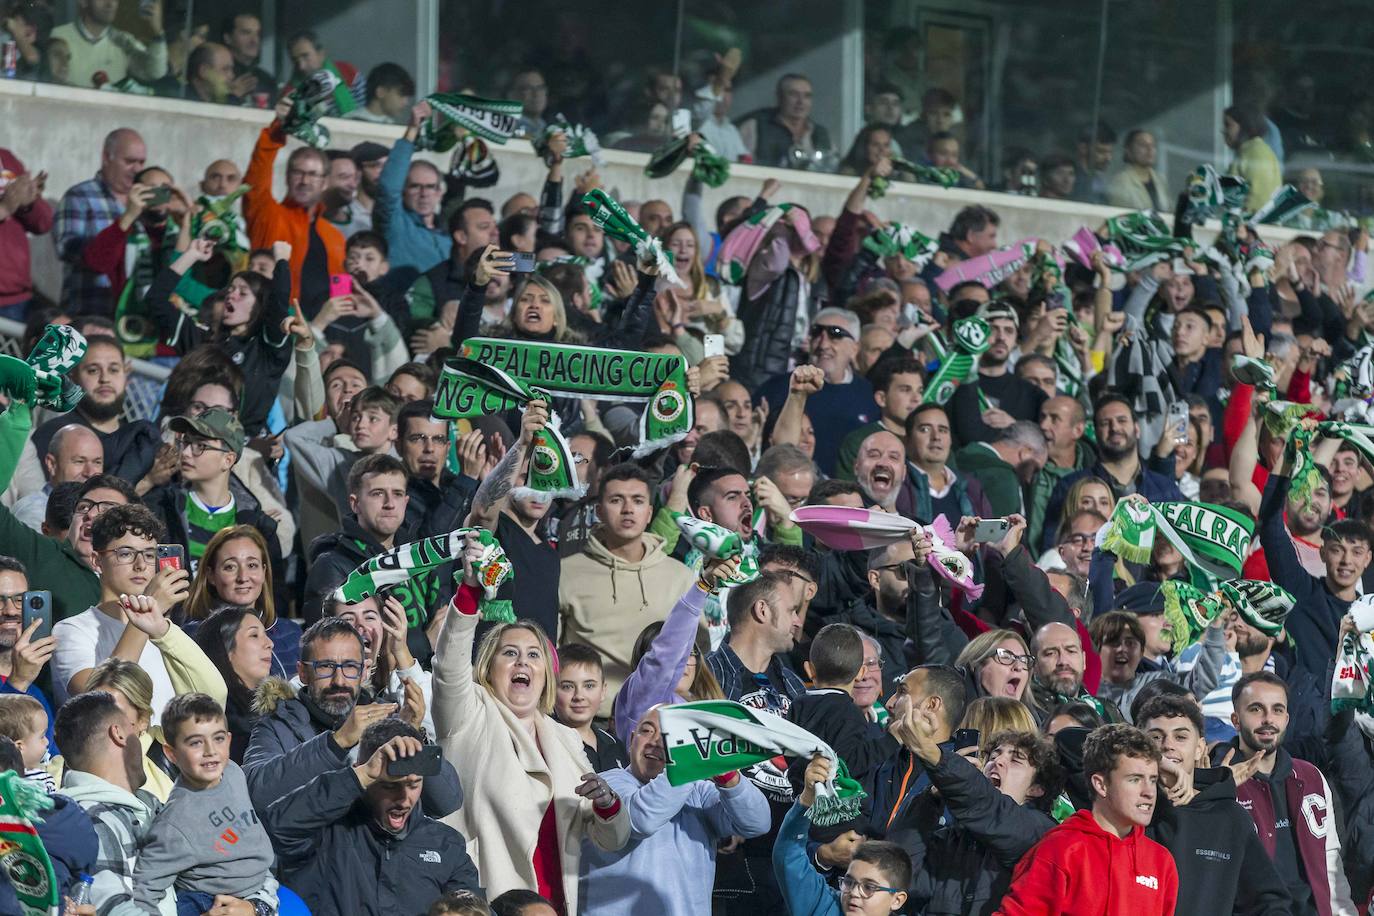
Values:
[(206, 841)]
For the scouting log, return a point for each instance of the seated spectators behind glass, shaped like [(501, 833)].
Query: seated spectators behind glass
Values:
[(29, 24), (209, 75), (785, 135), (1057, 177), (102, 54), (1020, 172), (942, 151), (650, 130), (241, 33), (390, 93)]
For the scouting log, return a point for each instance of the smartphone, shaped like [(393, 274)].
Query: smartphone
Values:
[(340, 285), (171, 555), (38, 606), (714, 344), (990, 529), (159, 196), (524, 262), (965, 737), (425, 763), (1178, 420)]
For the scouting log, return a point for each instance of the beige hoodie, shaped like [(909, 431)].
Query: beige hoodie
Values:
[(605, 602)]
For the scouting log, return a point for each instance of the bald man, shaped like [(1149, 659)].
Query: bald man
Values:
[(880, 468), (1060, 655), (85, 210), (74, 454)]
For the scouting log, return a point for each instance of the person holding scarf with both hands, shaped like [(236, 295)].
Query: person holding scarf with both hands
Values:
[(531, 795)]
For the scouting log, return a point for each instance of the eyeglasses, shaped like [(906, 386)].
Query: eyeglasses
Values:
[(423, 188), (793, 574), (421, 439), (863, 889), (92, 508), (1078, 540), (831, 331), (1011, 659), (125, 556), (196, 408), (324, 670), (15, 601), (198, 447), (297, 173)]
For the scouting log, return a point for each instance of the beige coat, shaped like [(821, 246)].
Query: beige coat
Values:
[(508, 779)]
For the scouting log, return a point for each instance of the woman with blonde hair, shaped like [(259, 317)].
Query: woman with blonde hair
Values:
[(1086, 493), (235, 572), (531, 796), (667, 663), (998, 665), (990, 715)]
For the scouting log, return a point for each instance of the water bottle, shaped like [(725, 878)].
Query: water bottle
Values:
[(81, 894)]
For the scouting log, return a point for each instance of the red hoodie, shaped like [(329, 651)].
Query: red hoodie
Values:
[(1079, 869)]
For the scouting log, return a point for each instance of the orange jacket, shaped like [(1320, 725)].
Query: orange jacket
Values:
[(270, 220)]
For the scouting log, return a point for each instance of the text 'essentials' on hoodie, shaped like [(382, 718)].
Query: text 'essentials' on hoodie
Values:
[(1079, 869)]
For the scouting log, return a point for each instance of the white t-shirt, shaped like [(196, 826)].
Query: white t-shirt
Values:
[(89, 638)]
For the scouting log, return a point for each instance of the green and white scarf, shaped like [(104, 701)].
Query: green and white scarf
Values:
[(41, 380), (659, 380), (581, 141), (924, 174), (1145, 239), (607, 213), (494, 120), (1282, 206), (713, 737), (23, 857), (1306, 478), (1212, 539), (425, 556), (971, 339), (1251, 371), (1189, 611), (708, 166), (897, 240), (324, 92), (710, 539), (1263, 605)]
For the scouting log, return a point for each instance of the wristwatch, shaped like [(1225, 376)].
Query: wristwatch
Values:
[(260, 908)]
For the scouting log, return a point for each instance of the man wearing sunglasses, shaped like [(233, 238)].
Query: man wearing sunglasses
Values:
[(316, 728), (208, 497), (840, 402)]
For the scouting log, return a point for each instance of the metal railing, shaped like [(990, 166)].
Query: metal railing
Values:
[(142, 397)]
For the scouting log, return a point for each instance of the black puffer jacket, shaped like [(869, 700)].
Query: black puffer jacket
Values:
[(964, 867), (333, 855), (769, 322)]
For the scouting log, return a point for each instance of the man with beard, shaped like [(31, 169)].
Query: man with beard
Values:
[(938, 489), (341, 205), (439, 498), (1118, 444), (997, 398), (1063, 421), (104, 775), (356, 840), (1058, 674), (1222, 868), (682, 858), (1076, 540), (802, 570), (1289, 799), (1006, 465), (103, 373), (843, 401), (21, 661), (315, 729), (878, 469), (1305, 520)]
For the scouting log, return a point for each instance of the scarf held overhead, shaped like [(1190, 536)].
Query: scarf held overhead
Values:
[(660, 380), (406, 561), (714, 737)]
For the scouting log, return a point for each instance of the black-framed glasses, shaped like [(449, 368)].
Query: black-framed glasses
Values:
[(864, 889), (324, 669), (125, 556), (196, 408), (1011, 659), (197, 447), (422, 440), (834, 332), (15, 601), (91, 507), (1078, 540), (793, 574)]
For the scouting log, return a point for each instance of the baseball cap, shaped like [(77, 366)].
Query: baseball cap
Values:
[(215, 423)]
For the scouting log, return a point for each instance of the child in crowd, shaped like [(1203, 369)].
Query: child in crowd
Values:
[(581, 688), (206, 841), (25, 722), (827, 709)]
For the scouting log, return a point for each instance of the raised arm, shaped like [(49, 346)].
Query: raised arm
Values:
[(805, 381), (494, 490)]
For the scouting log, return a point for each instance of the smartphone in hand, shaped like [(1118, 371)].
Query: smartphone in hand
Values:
[(424, 763), (171, 555), (340, 285), (714, 345), (990, 530), (38, 606)]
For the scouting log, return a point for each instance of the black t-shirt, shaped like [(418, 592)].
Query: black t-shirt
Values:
[(534, 590), (314, 274), (1015, 396)]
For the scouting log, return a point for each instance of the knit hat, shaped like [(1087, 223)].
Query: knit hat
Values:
[(1143, 598), (1263, 605), (994, 309)]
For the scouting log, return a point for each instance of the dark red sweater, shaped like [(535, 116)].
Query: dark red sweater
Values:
[(16, 275)]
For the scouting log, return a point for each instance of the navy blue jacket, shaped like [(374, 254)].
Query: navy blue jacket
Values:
[(72, 846)]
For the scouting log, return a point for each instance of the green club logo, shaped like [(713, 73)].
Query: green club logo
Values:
[(972, 334), (26, 873), (545, 458), (668, 405)]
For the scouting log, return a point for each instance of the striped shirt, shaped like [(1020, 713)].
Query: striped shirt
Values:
[(86, 209), (202, 523)]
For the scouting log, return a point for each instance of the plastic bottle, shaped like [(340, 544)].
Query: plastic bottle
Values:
[(81, 894)]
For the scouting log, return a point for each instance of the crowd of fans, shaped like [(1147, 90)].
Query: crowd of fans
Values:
[(223, 733)]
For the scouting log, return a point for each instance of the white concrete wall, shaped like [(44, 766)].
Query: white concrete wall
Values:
[(60, 129)]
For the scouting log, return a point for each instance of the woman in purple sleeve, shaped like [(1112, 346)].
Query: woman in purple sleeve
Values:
[(669, 656)]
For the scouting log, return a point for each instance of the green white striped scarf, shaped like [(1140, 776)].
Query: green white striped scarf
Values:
[(23, 857)]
